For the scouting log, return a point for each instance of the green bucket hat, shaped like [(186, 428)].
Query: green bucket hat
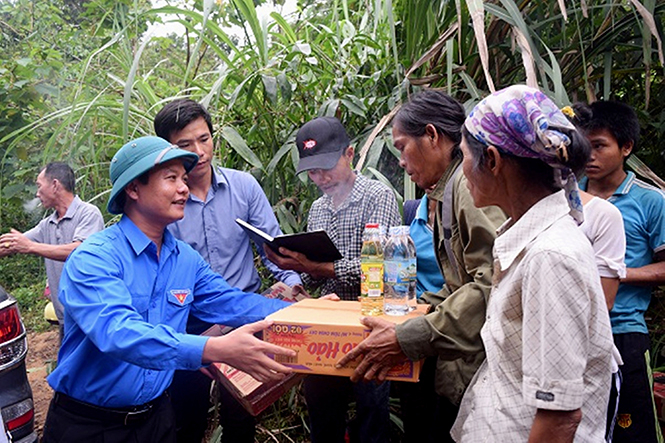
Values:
[(139, 156)]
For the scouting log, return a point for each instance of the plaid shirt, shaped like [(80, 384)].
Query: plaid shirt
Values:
[(369, 202), (547, 335)]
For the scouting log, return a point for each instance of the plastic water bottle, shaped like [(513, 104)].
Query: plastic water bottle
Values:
[(399, 272), (371, 276)]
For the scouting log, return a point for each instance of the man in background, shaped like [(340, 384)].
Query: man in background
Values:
[(613, 131), (56, 236), (217, 197)]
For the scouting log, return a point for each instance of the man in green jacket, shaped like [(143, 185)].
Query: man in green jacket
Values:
[(426, 131)]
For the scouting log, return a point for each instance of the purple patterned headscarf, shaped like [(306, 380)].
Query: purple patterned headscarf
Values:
[(519, 120)]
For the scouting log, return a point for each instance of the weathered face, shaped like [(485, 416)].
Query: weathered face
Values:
[(196, 138), (162, 200), (331, 181), (416, 158), (478, 181), (46, 190), (607, 156)]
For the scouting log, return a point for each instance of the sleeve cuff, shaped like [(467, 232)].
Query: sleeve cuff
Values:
[(414, 338), (190, 351), (557, 395), (609, 268), (293, 279)]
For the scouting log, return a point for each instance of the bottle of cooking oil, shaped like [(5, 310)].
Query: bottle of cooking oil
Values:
[(371, 276)]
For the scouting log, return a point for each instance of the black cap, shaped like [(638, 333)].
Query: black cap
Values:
[(321, 143)]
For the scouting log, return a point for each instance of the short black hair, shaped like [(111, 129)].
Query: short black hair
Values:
[(63, 173), (178, 114), (432, 107), (619, 119)]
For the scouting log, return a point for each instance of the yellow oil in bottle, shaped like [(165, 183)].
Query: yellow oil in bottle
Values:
[(371, 267)]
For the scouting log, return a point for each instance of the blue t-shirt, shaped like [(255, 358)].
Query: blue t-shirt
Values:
[(642, 207), (125, 315), (429, 278)]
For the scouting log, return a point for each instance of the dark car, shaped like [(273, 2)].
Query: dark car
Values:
[(18, 413)]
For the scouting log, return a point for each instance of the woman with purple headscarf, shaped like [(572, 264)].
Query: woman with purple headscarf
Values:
[(547, 333)]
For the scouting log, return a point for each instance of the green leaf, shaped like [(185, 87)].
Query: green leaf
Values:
[(327, 109), (270, 87), (12, 190), (284, 86), (355, 105), (284, 150), (288, 31), (239, 145)]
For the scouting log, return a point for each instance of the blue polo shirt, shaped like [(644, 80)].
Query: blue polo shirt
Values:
[(126, 310), (428, 277), (643, 209)]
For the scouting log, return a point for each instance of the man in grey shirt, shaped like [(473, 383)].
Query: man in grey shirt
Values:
[(56, 236)]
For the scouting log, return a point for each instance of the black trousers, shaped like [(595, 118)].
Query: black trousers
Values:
[(328, 399), (190, 397), (636, 417), (65, 424), (427, 416)]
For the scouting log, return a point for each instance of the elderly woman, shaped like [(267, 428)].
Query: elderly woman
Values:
[(547, 334)]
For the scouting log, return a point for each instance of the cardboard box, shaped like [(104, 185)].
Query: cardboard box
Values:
[(253, 395), (323, 331)]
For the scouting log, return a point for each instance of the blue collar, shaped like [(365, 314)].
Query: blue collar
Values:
[(139, 241), (218, 178), (626, 184), (623, 188), (421, 214)]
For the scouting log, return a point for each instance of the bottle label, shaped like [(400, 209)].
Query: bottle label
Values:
[(371, 279), (399, 274)]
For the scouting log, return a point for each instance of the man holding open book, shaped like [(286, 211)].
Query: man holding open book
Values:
[(350, 201)]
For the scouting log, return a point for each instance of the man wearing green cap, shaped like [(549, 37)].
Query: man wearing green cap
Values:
[(127, 292)]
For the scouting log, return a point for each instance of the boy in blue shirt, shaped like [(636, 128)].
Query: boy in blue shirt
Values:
[(613, 130)]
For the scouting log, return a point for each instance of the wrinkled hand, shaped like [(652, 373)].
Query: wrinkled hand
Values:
[(380, 350), (242, 350), (14, 242)]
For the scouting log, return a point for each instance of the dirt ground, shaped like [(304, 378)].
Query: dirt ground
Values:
[(42, 351)]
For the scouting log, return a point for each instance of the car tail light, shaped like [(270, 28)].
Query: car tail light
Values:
[(18, 414), (10, 324), (12, 336)]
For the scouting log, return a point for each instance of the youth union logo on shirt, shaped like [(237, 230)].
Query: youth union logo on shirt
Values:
[(180, 294)]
